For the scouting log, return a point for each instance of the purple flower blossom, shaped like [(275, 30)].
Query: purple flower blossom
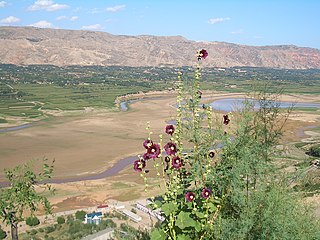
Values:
[(146, 156), (226, 119), (190, 196), (154, 151), (170, 129), (176, 162), (170, 148), (139, 164), (206, 192), (147, 143), (203, 54)]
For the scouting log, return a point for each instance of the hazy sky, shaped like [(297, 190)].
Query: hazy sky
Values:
[(259, 22)]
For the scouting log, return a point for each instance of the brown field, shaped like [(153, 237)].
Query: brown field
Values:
[(94, 141)]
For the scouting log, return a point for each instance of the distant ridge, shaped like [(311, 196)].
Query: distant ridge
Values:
[(29, 45)]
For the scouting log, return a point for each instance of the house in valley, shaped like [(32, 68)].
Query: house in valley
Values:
[(93, 218)]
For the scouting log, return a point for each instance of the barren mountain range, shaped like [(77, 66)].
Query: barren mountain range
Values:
[(28, 45)]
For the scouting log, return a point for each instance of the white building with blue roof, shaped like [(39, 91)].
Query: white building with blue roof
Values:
[(93, 218)]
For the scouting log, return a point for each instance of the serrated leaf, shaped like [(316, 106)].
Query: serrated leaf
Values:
[(157, 204), (158, 234), (197, 226), (168, 208), (211, 207), (200, 214), (184, 220), (183, 237)]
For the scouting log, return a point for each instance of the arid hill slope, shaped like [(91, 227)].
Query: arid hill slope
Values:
[(28, 45)]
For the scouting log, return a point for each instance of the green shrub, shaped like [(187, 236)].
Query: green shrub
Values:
[(315, 150), (80, 215), (32, 221), (49, 229), (3, 234), (61, 220)]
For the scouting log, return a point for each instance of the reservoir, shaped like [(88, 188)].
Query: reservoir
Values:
[(232, 104)]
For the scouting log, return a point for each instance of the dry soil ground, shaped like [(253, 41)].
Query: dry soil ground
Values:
[(94, 141)]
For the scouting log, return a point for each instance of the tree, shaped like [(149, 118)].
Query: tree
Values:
[(80, 215), (61, 220), (32, 221), (257, 203), (22, 195)]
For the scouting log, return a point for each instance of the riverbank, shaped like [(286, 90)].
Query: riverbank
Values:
[(90, 143)]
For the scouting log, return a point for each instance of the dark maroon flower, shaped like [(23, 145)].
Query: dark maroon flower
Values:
[(154, 150), (176, 162), (170, 129), (190, 196), (203, 54), (147, 143), (139, 164), (200, 94), (206, 193), (170, 148), (226, 119), (167, 159), (146, 156), (211, 154)]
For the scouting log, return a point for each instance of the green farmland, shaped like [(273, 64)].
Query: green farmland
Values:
[(28, 91)]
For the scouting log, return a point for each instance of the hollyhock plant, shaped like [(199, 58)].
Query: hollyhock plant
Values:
[(146, 156), (206, 193), (147, 143), (154, 150), (170, 148), (170, 129), (190, 196), (139, 165), (185, 168), (203, 54), (176, 162)]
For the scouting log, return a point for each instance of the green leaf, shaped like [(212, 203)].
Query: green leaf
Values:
[(197, 226), (200, 214), (211, 207), (157, 204), (168, 208), (183, 237), (184, 220), (158, 234)]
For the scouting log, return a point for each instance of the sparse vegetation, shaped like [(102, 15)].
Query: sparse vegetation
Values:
[(73, 230)]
